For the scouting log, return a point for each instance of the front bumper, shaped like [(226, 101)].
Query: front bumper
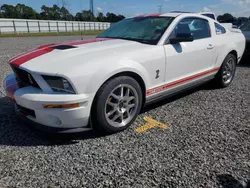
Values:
[(57, 119)]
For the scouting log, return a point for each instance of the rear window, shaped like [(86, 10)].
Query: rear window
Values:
[(219, 29)]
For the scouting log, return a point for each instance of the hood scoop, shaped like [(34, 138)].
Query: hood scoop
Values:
[(63, 47)]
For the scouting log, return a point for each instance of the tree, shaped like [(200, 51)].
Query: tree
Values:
[(226, 18), (101, 17), (78, 16), (120, 17), (65, 14), (87, 15), (51, 13), (54, 13), (9, 11), (25, 12), (38, 16), (111, 17), (46, 13)]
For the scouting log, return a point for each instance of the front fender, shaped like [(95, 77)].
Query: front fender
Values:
[(105, 72)]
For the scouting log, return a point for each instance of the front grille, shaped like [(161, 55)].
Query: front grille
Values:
[(26, 111), (24, 78)]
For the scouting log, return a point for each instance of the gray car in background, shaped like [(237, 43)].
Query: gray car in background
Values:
[(245, 28)]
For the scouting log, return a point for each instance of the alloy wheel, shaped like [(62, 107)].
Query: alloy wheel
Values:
[(121, 105)]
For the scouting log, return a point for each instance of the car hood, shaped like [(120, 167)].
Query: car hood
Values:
[(60, 58)]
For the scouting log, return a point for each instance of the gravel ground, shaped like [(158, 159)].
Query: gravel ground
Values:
[(207, 143)]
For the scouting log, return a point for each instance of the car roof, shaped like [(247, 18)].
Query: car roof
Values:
[(171, 14), (159, 14)]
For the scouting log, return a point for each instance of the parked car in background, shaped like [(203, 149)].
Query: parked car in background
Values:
[(104, 83), (245, 28), (209, 14)]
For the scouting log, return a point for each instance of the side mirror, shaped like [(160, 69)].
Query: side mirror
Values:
[(182, 37)]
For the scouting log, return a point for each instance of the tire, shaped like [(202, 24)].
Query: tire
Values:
[(226, 73), (112, 111)]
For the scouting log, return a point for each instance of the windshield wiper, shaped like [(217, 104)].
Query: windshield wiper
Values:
[(131, 39)]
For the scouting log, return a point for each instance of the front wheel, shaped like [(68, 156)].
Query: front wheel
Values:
[(117, 104), (226, 73)]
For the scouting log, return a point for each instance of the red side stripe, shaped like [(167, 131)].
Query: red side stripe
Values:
[(179, 82)]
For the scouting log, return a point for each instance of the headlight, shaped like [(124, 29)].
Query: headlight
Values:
[(58, 84)]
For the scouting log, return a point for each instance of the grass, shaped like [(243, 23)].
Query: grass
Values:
[(91, 32)]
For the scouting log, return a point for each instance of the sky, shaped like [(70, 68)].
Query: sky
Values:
[(131, 8)]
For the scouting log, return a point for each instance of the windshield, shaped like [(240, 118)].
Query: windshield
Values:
[(147, 30)]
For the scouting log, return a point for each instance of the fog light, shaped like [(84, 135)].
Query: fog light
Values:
[(54, 120), (75, 105)]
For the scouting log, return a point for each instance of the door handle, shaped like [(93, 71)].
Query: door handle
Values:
[(210, 47)]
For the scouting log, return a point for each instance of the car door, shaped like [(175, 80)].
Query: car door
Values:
[(187, 61)]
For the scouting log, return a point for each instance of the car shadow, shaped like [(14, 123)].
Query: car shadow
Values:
[(14, 132), (244, 64), (228, 181), (245, 61)]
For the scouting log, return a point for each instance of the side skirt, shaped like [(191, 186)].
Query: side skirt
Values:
[(177, 90)]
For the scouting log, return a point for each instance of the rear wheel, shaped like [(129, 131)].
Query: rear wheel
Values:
[(226, 73), (117, 104)]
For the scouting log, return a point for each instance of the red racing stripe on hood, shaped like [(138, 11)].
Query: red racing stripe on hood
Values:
[(42, 50), (19, 60)]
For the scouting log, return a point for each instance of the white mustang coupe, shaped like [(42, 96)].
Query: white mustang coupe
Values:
[(103, 83)]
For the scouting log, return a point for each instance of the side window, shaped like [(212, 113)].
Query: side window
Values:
[(219, 29), (198, 27)]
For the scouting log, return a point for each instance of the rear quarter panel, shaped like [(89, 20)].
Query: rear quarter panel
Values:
[(225, 43)]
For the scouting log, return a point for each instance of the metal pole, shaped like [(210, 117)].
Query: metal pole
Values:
[(49, 26), (28, 29), (14, 25), (57, 27), (39, 28), (160, 8)]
